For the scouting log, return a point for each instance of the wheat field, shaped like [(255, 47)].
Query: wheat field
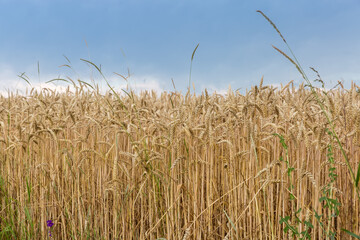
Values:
[(101, 166)]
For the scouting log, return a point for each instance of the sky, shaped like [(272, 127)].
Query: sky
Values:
[(154, 40)]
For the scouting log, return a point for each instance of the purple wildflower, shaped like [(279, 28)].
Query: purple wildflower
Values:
[(49, 223)]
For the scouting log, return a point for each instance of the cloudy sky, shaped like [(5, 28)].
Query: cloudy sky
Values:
[(156, 38)]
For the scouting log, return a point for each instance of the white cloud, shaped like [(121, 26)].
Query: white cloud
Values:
[(211, 89), (142, 83), (10, 82)]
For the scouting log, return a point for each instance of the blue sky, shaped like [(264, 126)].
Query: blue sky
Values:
[(155, 40)]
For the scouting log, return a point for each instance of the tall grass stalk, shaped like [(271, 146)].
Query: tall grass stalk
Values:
[(330, 121), (332, 204)]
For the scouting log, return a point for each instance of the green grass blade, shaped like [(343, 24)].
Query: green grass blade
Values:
[(127, 94), (87, 84), (172, 80), (357, 176), (274, 26), (290, 59), (38, 67), (94, 65), (107, 83), (28, 217), (65, 65), (58, 79), (351, 234), (192, 58), (231, 222), (24, 77), (67, 59), (28, 187)]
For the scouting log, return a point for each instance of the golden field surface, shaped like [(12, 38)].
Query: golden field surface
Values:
[(101, 166)]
